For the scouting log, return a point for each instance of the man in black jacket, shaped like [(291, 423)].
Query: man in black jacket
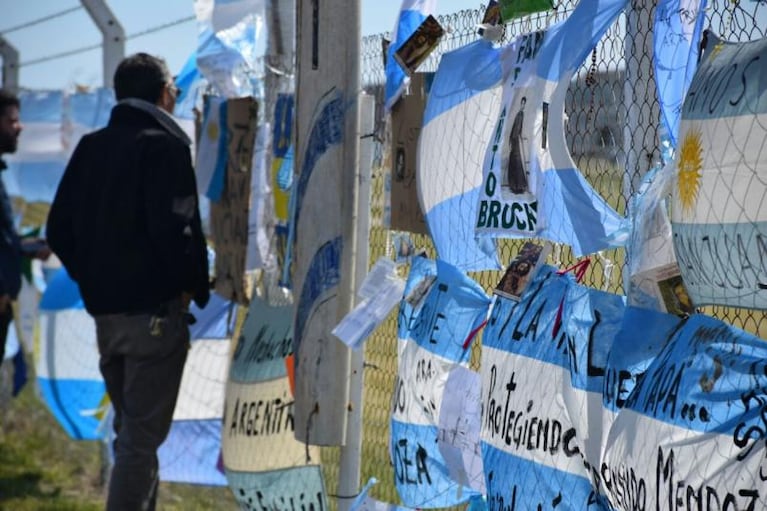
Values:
[(125, 223), (11, 247)]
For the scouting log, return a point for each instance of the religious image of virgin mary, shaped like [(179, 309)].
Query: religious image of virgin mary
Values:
[(516, 176)]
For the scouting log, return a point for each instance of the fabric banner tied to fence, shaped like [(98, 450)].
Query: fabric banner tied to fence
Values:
[(457, 123), (441, 310), (638, 409), (531, 186), (719, 212)]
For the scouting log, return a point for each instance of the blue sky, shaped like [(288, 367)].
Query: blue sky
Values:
[(76, 30)]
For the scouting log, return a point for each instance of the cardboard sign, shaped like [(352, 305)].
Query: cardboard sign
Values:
[(229, 216), (406, 120)]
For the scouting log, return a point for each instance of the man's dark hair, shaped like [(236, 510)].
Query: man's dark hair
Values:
[(141, 76), (8, 98)]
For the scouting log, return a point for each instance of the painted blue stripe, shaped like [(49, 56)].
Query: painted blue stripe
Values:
[(323, 275), (68, 399), (327, 131)]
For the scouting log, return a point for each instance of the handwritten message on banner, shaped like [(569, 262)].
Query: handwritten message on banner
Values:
[(531, 446), (693, 431), (638, 410), (266, 467), (441, 309), (719, 212), (230, 215)]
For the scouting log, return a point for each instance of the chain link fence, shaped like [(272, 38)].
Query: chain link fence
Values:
[(612, 134)]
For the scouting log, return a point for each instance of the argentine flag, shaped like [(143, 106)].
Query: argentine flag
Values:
[(718, 207), (67, 361), (457, 123), (191, 452), (411, 15), (441, 310), (531, 186)]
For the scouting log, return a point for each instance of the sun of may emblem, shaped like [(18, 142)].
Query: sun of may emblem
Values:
[(689, 166)]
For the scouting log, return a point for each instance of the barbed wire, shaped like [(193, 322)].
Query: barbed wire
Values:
[(94, 46), (40, 20)]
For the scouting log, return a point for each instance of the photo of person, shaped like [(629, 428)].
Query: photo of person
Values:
[(516, 175), (521, 270), (404, 248), (419, 45), (399, 165), (675, 297)]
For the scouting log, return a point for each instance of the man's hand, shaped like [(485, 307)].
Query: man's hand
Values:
[(186, 299), (5, 302), (36, 248)]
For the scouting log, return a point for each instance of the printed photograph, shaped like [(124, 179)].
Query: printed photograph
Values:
[(522, 269), (418, 46)]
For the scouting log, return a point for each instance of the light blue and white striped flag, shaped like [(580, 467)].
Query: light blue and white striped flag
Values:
[(718, 210), (441, 310), (457, 123), (411, 15), (531, 186), (67, 361), (191, 452)]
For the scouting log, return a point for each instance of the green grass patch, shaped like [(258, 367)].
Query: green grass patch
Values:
[(42, 469)]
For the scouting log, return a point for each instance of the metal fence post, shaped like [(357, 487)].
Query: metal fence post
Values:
[(10, 56)]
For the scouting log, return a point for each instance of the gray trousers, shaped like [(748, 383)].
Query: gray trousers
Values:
[(142, 365)]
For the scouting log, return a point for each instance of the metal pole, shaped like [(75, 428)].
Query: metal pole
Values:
[(351, 452), (10, 56), (113, 49), (640, 132)]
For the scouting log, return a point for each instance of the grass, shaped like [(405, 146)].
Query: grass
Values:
[(42, 469)]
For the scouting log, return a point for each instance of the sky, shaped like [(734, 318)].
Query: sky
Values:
[(175, 43)]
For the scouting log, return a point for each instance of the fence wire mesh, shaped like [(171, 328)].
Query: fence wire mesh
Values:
[(610, 102)]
